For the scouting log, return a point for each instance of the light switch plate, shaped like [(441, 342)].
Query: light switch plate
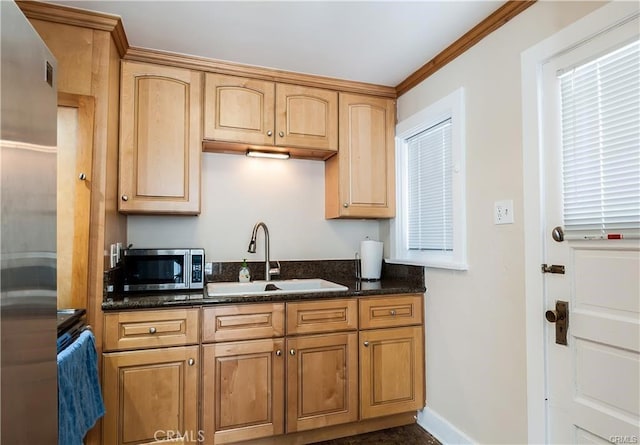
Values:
[(503, 212)]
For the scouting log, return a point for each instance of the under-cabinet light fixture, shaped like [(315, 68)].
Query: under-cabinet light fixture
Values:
[(267, 154)]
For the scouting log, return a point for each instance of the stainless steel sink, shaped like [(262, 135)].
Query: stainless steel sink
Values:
[(273, 287)]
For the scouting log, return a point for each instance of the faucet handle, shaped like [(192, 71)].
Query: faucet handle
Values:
[(274, 270)]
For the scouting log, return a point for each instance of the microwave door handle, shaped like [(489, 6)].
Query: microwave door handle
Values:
[(187, 271)]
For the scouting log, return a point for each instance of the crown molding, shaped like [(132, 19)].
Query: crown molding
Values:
[(494, 21), (77, 17), (255, 72)]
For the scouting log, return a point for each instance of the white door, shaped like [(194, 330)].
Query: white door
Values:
[(592, 382)]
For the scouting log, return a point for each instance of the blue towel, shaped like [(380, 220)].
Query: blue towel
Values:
[(80, 402)]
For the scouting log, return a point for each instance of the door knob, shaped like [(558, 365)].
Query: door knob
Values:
[(292, 352), (278, 352), (553, 316), (281, 134), (366, 344), (152, 330), (269, 133), (191, 362), (557, 234), (125, 198), (82, 177)]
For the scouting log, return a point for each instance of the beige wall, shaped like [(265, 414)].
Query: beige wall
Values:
[(475, 320), (237, 192)]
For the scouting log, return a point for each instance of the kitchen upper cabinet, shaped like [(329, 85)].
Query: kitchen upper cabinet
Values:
[(306, 117), (237, 109), (241, 112), (160, 139), (360, 180)]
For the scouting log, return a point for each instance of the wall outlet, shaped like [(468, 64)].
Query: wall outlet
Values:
[(503, 212)]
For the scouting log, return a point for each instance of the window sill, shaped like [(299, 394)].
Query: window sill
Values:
[(431, 264)]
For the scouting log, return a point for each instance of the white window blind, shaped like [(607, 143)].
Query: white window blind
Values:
[(601, 145), (430, 201)]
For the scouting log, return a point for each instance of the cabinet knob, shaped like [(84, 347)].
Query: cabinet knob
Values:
[(269, 133), (125, 198), (292, 352), (392, 312), (366, 344), (152, 330), (191, 362), (281, 134), (278, 352), (345, 205), (82, 177)]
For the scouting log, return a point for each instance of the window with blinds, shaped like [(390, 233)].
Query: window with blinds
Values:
[(429, 181), (430, 223), (600, 106)]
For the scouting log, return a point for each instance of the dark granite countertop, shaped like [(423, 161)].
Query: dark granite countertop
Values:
[(396, 279)]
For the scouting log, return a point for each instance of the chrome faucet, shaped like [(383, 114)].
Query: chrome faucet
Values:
[(268, 270)]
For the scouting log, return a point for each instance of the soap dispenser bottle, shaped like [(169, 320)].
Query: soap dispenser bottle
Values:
[(244, 276)]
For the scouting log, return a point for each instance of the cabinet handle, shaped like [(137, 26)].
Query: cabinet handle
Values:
[(292, 352), (125, 198), (345, 205), (152, 330), (392, 312), (191, 362), (366, 344), (82, 177), (278, 352), (269, 133), (281, 134)]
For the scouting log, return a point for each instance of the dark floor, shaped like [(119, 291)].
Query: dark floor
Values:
[(405, 435)]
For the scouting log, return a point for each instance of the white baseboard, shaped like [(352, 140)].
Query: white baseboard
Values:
[(441, 429)]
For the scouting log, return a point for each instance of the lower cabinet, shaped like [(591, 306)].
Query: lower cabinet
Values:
[(391, 371), (243, 390), (322, 376), (233, 373), (151, 396), (253, 388)]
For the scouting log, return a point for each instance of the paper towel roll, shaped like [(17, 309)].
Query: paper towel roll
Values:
[(371, 259)]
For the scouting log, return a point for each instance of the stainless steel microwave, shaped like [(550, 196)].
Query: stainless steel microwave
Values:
[(163, 269)]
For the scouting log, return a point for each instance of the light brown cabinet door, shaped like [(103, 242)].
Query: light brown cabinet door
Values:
[(360, 180), (306, 117), (243, 390), (160, 139), (74, 177), (237, 109), (391, 371), (322, 373), (151, 396)]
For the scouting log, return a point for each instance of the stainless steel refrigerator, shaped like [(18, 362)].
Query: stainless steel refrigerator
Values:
[(28, 374)]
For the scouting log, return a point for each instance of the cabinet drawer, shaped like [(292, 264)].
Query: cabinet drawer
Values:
[(322, 316), (390, 311), (150, 329), (242, 322)]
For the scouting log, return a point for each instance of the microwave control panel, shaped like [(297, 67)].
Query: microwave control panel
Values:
[(197, 268)]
